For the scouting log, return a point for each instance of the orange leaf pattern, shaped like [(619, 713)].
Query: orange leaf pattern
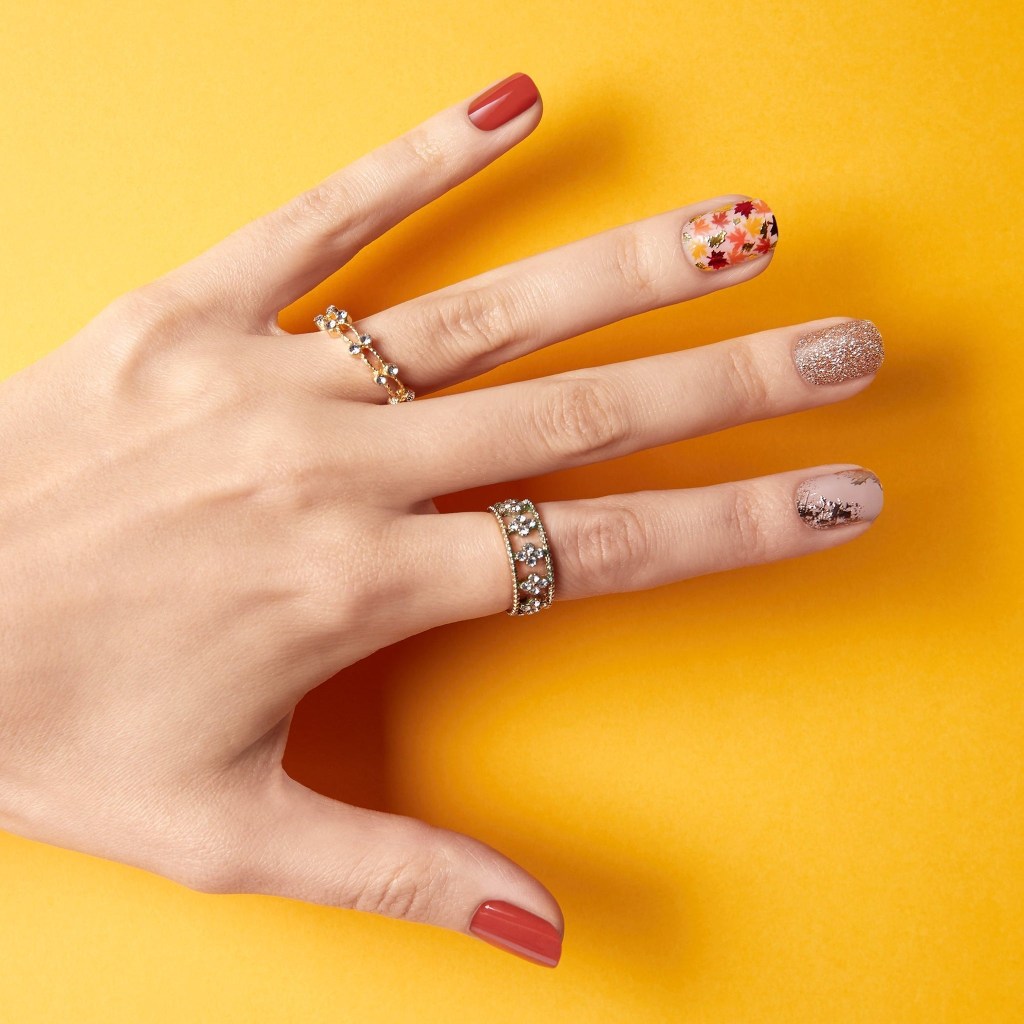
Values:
[(730, 234)]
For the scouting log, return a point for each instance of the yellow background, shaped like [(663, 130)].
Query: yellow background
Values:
[(790, 793)]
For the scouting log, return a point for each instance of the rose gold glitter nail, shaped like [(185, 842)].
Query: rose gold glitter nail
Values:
[(849, 496), (841, 352)]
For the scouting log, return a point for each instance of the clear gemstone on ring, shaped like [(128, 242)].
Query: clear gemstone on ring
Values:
[(530, 554), (522, 525), (534, 584)]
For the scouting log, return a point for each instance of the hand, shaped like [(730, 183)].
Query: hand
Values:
[(203, 517)]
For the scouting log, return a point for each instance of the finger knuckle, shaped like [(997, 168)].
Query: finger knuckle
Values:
[(474, 322), (331, 206), (582, 417), (158, 308), (748, 522), (426, 151), (369, 589), (151, 342), (609, 544), (635, 259), (411, 887), (746, 380), (186, 377)]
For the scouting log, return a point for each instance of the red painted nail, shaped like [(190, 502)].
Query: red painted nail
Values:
[(503, 101), (517, 931)]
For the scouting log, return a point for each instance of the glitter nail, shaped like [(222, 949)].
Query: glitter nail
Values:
[(841, 352)]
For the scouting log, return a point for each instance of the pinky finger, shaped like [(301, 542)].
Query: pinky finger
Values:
[(635, 541)]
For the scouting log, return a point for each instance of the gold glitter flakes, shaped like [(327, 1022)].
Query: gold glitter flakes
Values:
[(840, 352)]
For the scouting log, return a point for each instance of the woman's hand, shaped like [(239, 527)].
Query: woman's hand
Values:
[(203, 517)]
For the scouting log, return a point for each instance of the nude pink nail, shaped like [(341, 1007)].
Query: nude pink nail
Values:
[(833, 499)]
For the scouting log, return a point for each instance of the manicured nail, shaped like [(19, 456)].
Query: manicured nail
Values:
[(503, 101), (730, 234), (850, 496), (840, 352), (517, 931)]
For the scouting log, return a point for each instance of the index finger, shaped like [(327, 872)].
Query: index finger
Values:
[(270, 262)]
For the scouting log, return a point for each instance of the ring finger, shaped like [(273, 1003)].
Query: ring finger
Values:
[(570, 419)]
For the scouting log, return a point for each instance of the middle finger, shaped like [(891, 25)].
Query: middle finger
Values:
[(462, 330)]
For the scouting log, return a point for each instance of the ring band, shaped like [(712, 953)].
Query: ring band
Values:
[(336, 321), (531, 592)]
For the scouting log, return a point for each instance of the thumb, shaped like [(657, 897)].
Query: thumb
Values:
[(313, 848)]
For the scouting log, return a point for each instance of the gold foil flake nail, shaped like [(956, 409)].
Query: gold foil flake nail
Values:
[(833, 499)]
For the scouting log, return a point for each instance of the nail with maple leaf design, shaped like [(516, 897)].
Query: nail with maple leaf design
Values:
[(730, 234)]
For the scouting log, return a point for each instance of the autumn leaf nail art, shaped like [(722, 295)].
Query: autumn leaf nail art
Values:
[(729, 234)]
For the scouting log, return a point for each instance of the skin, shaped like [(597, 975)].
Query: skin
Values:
[(194, 505)]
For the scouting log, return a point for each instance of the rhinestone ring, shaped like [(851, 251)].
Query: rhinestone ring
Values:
[(336, 321), (532, 591)]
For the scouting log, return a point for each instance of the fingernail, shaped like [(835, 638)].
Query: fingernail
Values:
[(503, 101), (849, 496), (517, 931), (840, 352), (730, 234)]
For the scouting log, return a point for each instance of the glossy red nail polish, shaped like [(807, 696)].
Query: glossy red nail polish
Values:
[(503, 101), (517, 931)]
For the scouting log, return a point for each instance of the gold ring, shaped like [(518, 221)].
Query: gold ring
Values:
[(531, 592), (336, 321)]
